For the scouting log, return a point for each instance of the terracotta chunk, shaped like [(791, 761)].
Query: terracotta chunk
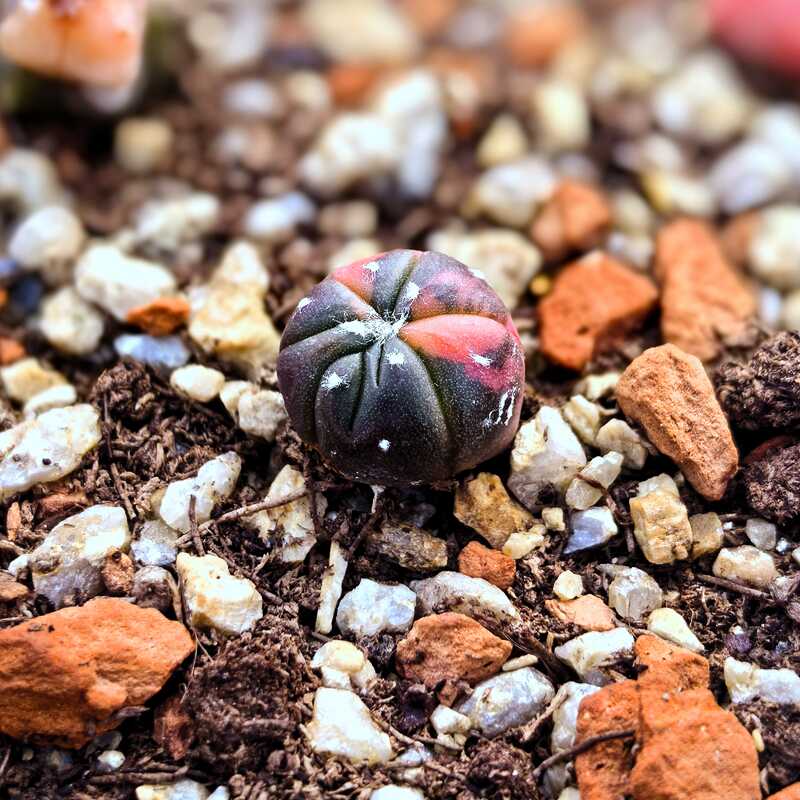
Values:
[(604, 770), (536, 34), (575, 218), (64, 675), (687, 746), (479, 561), (10, 590), (587, 611), (594, 303), (351, 83), (450, 646), (668, 393), (699, 751), (703, 299), (677, 665), (430, 17), (161, 317), (10, 351), (737, 234)]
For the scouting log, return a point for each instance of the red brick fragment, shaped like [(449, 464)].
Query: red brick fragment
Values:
[(594, 304)]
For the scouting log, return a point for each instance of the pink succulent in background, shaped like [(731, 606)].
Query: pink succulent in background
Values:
[(403, 368), (97, 42), (763, 31)]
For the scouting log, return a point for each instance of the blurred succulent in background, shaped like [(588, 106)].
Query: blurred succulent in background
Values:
[(98, 42)]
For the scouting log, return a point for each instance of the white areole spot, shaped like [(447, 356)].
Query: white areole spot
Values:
[(384, 444), (412, 291), (396, 358), (479, 273), (504, 411), (303, 303), (482, 361), (375, 330), (359, 327), (372, 267), (333, 381), (510, 407)]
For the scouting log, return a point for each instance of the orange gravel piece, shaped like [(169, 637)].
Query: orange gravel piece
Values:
[(351, 83), (587, 611), (575, 218), (669, 394), (10, 351), (687, 746), (450, 647), (479, 561), (594, 304), (704, 301), (536, 34), (161, 317), (66, 674)]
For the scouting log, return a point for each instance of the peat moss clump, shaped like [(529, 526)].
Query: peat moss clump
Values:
[(773, 485), (246, 705), (764, 393)]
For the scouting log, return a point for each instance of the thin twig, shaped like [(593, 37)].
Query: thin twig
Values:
[(528, 731), (440, 769), (733, 586), (138, 777), (576, 750), (244, 511), (193, 530), (254, 508)]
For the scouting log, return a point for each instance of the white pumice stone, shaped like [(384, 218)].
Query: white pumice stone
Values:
[(342, 726), (216, 599), (46, 448), (70, 558), (198, 382), (372, 608), (458, 592), (214, 482)]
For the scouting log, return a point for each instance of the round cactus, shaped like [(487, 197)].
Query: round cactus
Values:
[(403, 368)]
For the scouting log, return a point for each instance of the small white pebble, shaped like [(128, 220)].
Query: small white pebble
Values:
[(49, 236), (568, 586), (670, 625), (111, 760), (521, 543), (763, 534), (198, 382), (553, 519), (142, 144), (527, 660)]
